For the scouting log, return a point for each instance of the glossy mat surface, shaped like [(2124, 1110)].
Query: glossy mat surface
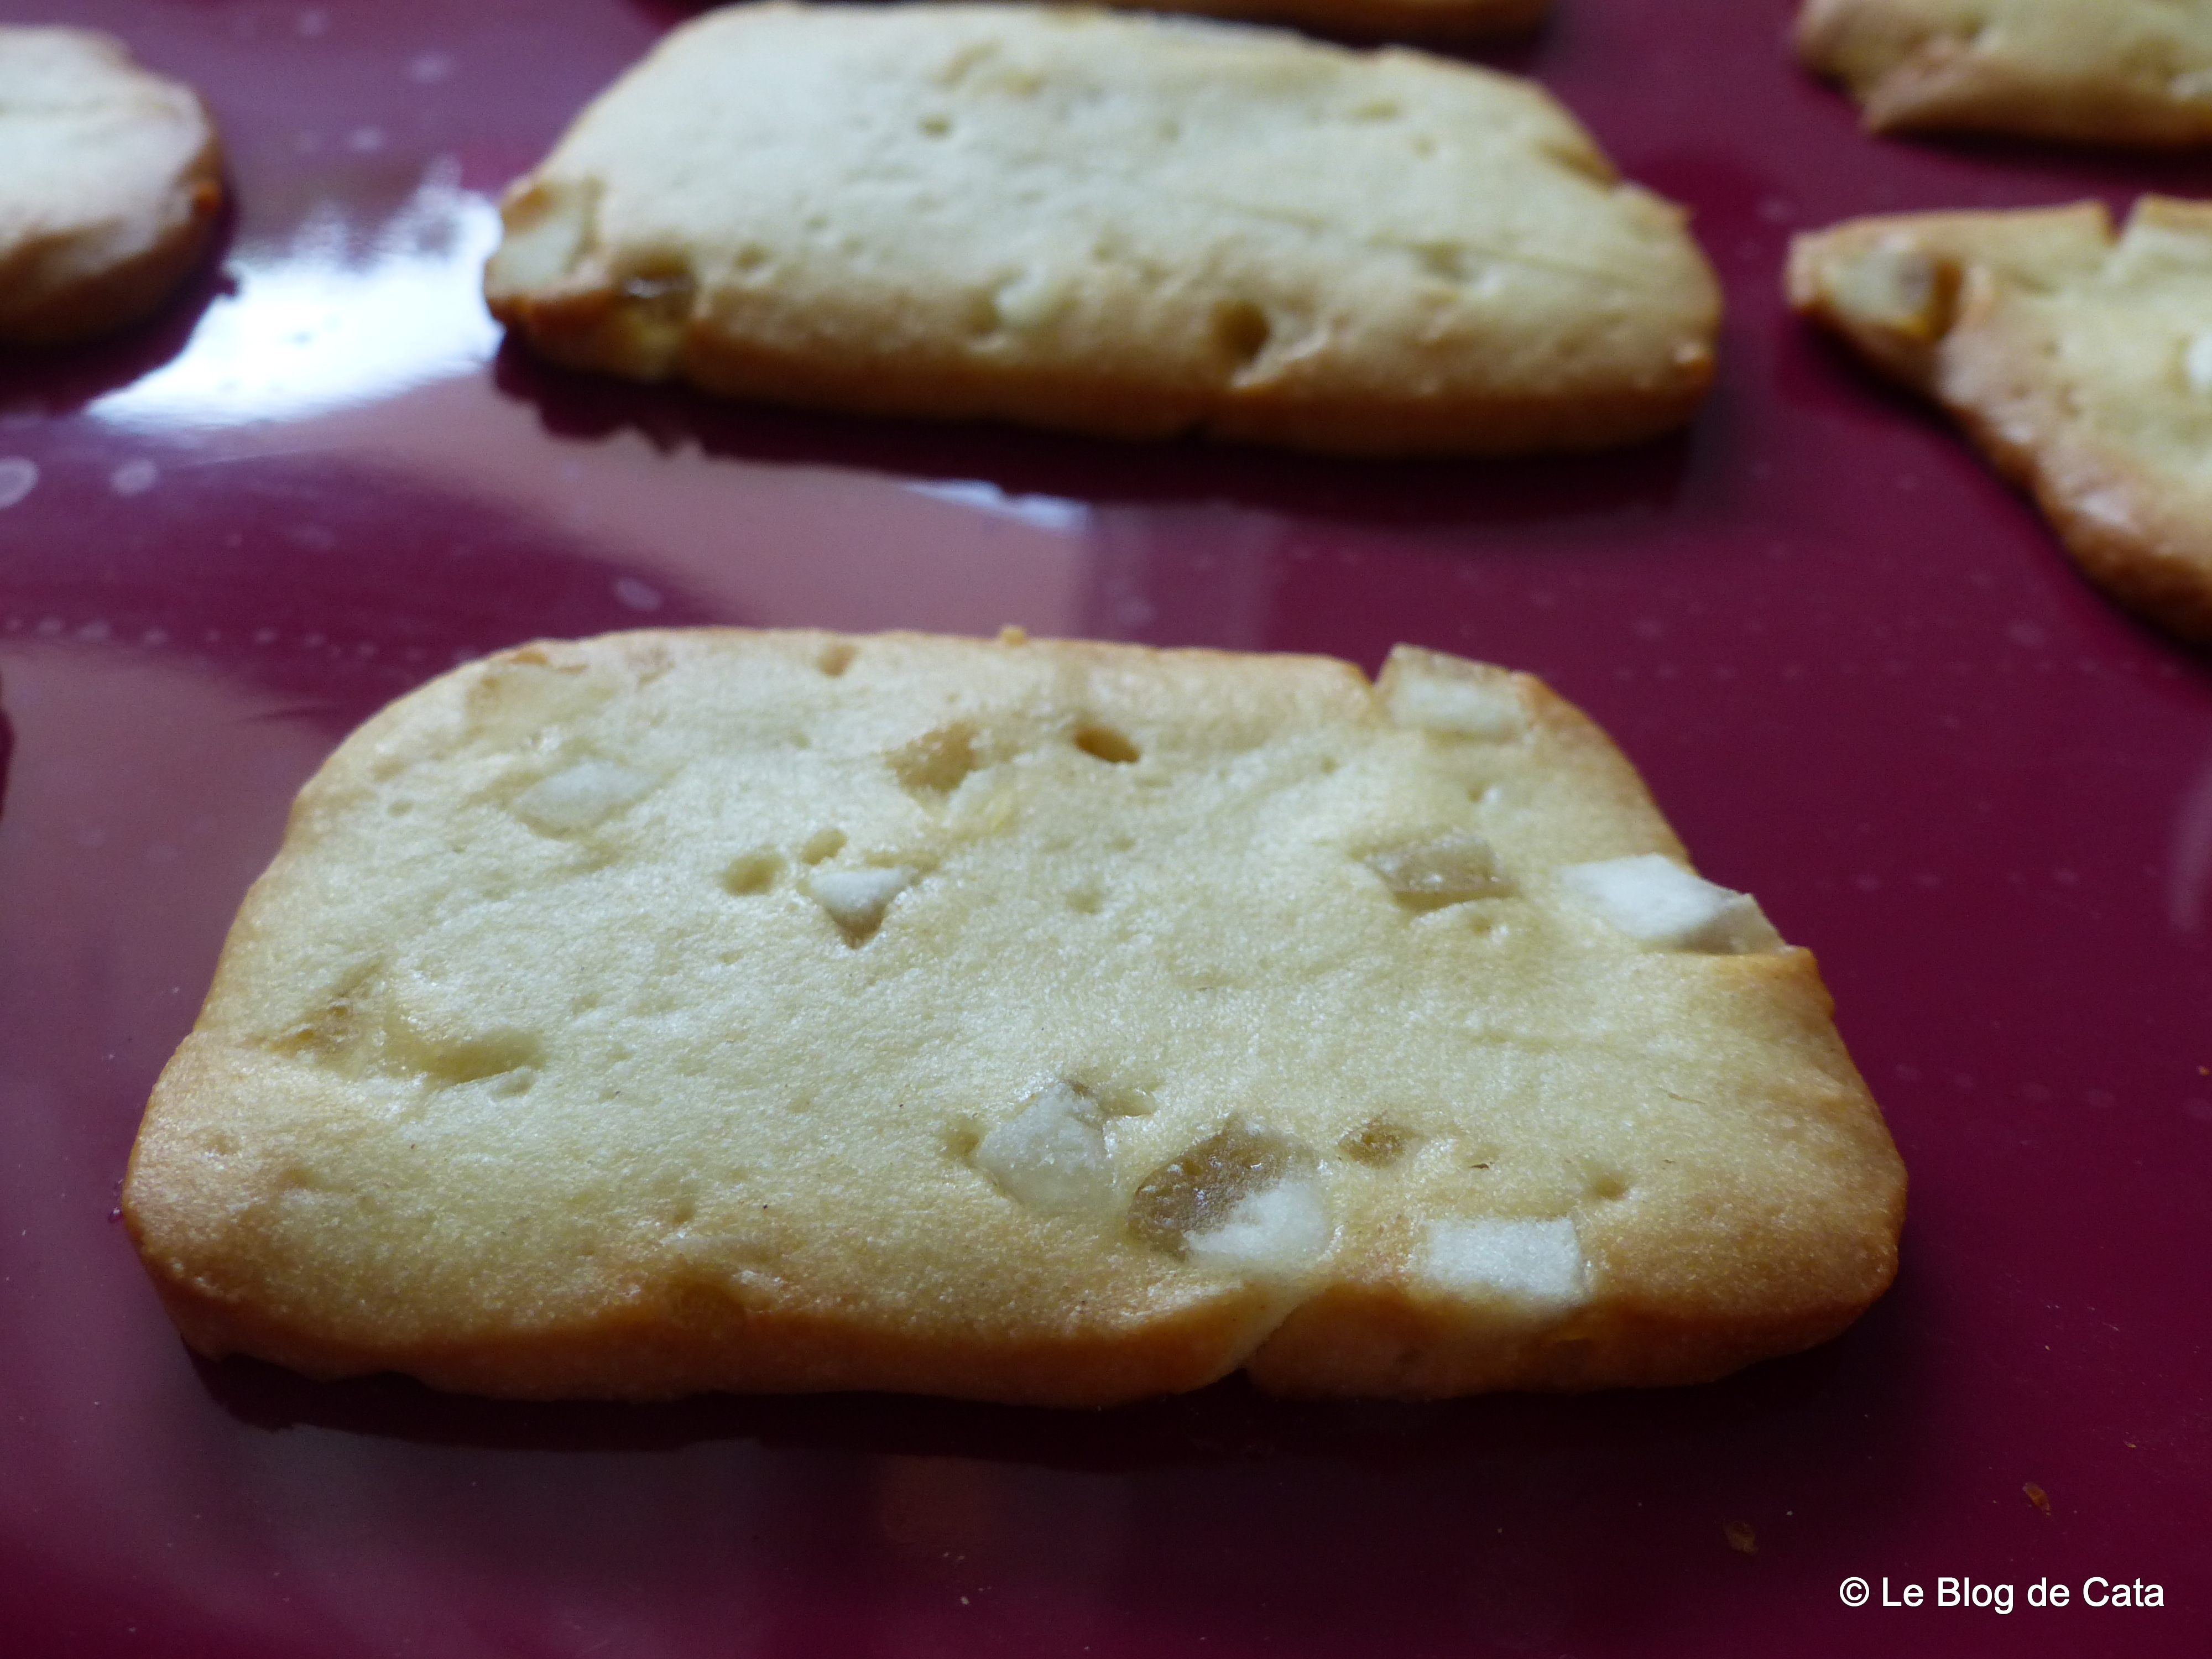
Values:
[(1853, 666)]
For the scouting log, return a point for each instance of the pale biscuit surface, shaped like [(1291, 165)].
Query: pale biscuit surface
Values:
[(1025, 1021), (2094, 71), (1131, 226), (2080, 362), (110, 182)]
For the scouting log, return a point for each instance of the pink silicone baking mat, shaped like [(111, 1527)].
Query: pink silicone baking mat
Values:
[(1852, 665)]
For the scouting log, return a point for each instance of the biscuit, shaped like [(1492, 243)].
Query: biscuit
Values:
[(1129, 225), (110, 182), (2090, 71), (2080, 362), (1031, 1021)]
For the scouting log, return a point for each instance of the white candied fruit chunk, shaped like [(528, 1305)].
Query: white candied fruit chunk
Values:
[(1451, 696), (1652, 898), (1451, 869), (1893, 285), (547, 228), (1277, 1232), (1052, 1155), (1457, 708), (2196, 363), (856, 899), (1535, 1262), (581, 797)]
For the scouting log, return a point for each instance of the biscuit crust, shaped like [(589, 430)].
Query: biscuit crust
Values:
[(111, 181), (1023, 1020), (2079, 361), (1134, 226), (2126, 72)]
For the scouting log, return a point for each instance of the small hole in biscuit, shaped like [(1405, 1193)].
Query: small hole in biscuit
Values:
[(1242, 330), (752, 873), (1445, 259), (1609, 1187), (1086, 900), (1116, 1096), (934, 125), (1377, 1142), (835, 658), (329, 1030), (1104, 743), (479, 1058), (822, 844), (936, 762)]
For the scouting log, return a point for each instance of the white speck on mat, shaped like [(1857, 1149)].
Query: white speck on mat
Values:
[(19, 476), (134, 477)]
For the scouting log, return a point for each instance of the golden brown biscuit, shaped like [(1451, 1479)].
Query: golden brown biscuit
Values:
[(110, 182), (1026, 1021), (2080, 364), (1131, 226), (2089, 72)]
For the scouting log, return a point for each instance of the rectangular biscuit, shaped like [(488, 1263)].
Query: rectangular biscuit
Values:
[(1130, 226), (1024, 1021)]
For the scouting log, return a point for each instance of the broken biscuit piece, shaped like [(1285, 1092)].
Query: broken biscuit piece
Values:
[(111, 180), (1132, 226), (665, 1012), (2079, 361), (2129, 72)]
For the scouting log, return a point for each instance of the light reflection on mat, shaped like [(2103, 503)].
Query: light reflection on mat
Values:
[(327, 319)]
